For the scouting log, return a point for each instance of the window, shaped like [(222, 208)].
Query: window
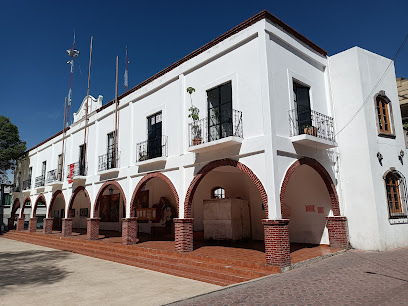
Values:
[(395, 186), (219, 101), (383, 107), (154, 136), (111, 151), (218, 193), (59, 170), (302, 105)]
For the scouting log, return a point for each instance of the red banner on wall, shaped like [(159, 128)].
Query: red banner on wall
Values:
[(71, 173)]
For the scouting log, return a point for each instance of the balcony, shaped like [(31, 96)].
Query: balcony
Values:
[(27, 185), (54, 178), (152, 151), (77, 172), (216, 132), (40, 182), (311, 128), (108, 163)]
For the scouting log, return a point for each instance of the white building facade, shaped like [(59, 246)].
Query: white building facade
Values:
[(262, 161)]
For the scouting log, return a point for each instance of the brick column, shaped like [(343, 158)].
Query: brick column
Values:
[(32, 225), (277, 246), (20, 224), (184, 234), (92, 231), (66, 227), (48, 223), (337, 227), (129, 231)]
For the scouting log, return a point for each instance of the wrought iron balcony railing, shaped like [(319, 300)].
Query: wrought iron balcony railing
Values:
[(78, 169), (39, 181), (151, 148), (107, 161), (27, 184), (216, 126), (54, 176), (303, 120)]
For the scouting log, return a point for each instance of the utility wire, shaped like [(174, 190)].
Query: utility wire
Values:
[(376, 85)]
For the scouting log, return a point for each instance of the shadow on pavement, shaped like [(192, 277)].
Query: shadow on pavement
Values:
[(30, 268)]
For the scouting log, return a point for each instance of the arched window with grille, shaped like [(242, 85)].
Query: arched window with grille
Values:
[(396, 194), (384, 112), (218, 193)]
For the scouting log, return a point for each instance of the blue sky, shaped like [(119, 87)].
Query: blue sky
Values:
[(34, 75)]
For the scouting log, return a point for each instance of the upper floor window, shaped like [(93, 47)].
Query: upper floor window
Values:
[(220, 121), (383, 107), (395, 186), (218, 193)]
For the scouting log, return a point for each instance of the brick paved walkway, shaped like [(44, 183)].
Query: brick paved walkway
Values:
[(352, 278)]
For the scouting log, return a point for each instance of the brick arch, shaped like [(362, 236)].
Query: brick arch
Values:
[(24, 204), (144, 181), (102, 189), (54, 196), (323, 174), (72, 199), (220, 163), (36, 203)]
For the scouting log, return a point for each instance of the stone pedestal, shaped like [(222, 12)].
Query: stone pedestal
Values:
[(20, 224), (184, 234), (66, 227), (92, 231), (48, 223), (277, 245), (337, 227), (32, 225), (129, 230)]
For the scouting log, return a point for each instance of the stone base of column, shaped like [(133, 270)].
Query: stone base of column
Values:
[(47, 227), (129, 231), (337, 226), (66, 227), (277, 245), (20, 224), (92, 231), (183, 234), (32, 225)]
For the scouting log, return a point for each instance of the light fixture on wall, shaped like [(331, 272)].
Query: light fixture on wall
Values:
[(111, 191), (401, 156), (380, 157)]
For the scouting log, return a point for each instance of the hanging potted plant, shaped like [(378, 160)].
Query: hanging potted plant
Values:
[(194, 115)]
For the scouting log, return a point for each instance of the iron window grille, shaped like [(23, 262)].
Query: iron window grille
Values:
[(303, 120), (27, 184), (208, 129), (152, 148), (39, 181), (107, 161), (54, 176), (396, 196), (80, 169)]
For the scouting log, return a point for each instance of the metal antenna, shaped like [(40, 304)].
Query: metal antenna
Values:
[(126, 76), (72, 53)]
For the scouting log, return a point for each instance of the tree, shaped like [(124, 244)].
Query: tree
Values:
[(11, 147)]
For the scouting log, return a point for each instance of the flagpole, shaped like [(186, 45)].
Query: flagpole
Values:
[(116, 113), (87, 99)]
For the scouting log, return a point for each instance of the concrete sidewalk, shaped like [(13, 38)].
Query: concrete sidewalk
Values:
[(352, 278), (35, 275)]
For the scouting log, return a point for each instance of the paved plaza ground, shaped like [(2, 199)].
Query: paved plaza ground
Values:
[(35, 275), (352, 278)]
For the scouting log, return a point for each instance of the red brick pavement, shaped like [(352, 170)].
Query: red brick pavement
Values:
[(352, 278)]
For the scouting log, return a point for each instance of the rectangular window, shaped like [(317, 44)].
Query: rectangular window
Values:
[(111, 151), (81, 161), (301, 95), (44, 169), (154, 135), (59, 169), (219, 103)]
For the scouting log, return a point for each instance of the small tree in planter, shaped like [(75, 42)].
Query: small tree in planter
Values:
[(194, 115)]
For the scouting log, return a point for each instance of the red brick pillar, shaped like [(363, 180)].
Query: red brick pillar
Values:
[(277, 246), (92, 231), (48, 223), (32, 225), (66, 227), (184, 234), (20, 224), (337, 227), (129, 231)]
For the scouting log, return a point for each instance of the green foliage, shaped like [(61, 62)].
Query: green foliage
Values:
[(11, 147), (194, 113), (405, 126), (190, 90)]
